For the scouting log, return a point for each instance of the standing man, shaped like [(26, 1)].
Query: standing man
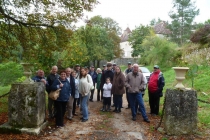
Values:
[(114, 67), (155, 88), (128, 70), (104, 69), (50, 79), (93, 74), (70, 102), (135, 84)]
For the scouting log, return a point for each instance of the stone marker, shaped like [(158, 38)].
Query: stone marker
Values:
[(180, 116), (26, 107)]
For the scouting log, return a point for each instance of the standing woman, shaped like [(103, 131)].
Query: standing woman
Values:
[(99, 72), (60, 103), (85, 85), (118, 88)]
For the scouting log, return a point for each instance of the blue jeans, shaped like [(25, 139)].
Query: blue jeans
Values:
[(137, 97), (84, 106)]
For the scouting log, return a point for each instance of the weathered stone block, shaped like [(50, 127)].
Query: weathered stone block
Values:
[(27, 105), (180, 116)]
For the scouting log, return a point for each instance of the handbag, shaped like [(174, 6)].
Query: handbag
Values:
[(92, 87), (55, 94)]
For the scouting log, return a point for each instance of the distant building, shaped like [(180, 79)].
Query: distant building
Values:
[(127, 48), (124, 44)]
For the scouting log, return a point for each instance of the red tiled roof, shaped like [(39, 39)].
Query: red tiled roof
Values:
[(124, 36), (161, 28)]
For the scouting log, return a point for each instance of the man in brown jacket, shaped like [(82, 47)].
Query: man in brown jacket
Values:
[(135, 84)]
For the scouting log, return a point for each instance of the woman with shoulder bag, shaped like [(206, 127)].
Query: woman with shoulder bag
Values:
[(60, 103), (85, 85)]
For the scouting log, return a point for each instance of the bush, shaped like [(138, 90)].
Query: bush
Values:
[(10, 72), (159, 51)]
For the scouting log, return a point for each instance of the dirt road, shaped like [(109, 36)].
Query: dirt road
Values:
[(101, 125)]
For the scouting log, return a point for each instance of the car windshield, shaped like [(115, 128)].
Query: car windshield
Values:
[(144, 70)]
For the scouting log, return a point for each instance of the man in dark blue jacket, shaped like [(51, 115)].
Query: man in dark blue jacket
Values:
[(50, 79), (93, 74), (40, 77)]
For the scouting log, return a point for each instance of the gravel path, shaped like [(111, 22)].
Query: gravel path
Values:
[(101, 125)]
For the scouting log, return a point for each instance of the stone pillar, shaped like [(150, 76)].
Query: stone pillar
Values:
[(180, 116), (27, 105)]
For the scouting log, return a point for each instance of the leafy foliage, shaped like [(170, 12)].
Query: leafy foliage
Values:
[(75, 53), (46, 13), (154, 21), (107, 23), (10, 72), (112, 29), (158, 51), (136, 38), (202, 35), (33, 44), (192, 73), (182, 15), (96, 39)]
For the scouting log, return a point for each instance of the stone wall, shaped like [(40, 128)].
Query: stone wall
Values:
[(180, 116), (27, 105), (124, 61)]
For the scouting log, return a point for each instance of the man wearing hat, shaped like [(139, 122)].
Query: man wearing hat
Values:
[(156, 83), (128, 70), (93, 74), (104, 69), (114, 67)]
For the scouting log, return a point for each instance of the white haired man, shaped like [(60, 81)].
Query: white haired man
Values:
[(50, 79), (135, 84)]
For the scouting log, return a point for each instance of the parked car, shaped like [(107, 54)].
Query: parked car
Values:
[(145, 72)]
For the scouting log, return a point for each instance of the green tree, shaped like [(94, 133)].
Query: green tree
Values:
[(154, 21), (113, 30), (182, 15), (46, 13), (107, 23), (10, 72), (97, 42), (158, 51), (34, 31), (75, 53), (136, 38)]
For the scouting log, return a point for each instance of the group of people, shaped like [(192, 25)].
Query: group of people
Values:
[(78, 85)]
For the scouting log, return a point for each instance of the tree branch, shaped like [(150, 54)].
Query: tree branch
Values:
[(20, 22)]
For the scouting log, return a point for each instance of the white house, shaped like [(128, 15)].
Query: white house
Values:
[(124, 44)]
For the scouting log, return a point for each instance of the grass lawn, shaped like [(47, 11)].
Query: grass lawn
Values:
[(201, 85), (4, 100)]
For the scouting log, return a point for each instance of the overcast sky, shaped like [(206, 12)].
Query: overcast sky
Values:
[(131, 13)]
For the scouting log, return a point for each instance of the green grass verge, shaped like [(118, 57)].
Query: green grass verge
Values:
[(123, 67), (4, 100), (201, 85)]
